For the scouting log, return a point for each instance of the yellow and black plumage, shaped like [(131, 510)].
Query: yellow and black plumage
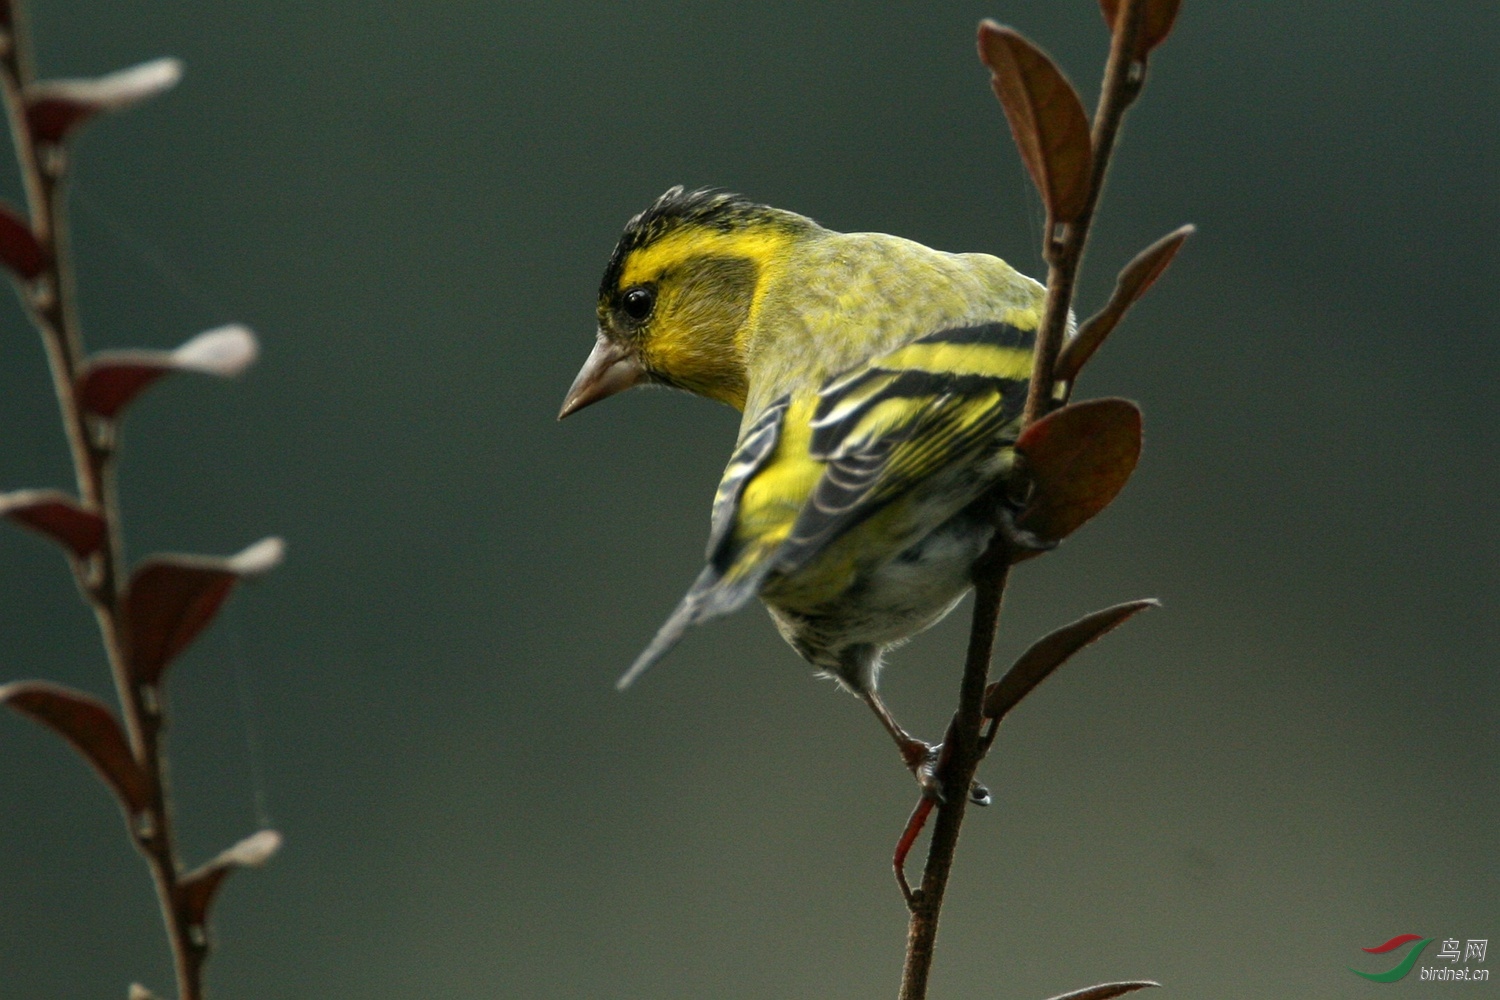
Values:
[(881, 384)]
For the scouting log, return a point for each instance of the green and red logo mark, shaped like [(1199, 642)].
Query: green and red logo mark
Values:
[(1401, 968)]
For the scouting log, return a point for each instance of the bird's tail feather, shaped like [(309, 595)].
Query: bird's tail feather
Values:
[(710, 597)]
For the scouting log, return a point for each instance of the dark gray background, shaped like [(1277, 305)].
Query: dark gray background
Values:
[(411, 202)]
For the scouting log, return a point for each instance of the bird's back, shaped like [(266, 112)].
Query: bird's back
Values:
[(835, 301)]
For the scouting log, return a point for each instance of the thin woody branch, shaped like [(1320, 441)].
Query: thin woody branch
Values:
[(51, 302), (146, 619), (1042, 118)]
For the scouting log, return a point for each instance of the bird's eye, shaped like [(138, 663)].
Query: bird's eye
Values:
[(637, 303)]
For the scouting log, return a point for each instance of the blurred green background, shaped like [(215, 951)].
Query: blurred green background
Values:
[(412, 202)]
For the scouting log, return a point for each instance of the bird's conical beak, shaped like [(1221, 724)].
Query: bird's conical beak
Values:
[(609, 369)]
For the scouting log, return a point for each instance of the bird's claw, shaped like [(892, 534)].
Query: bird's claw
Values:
[(926, 762), (922, 760), (1017, 538)]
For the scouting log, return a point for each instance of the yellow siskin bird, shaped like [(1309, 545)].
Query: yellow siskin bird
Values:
[(881, 384)]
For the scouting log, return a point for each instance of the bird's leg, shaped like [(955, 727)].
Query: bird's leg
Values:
[(920, 757), (924, 760)]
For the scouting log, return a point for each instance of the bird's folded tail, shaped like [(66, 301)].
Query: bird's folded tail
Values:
[(713, 594)]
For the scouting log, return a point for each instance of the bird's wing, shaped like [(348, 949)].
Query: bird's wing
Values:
[(930, 406), (809, 469), (750, 456)]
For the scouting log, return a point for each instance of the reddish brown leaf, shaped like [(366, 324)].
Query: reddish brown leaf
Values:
[(201, 885), (1052, 651), (1046, 118), (1156, 22), (56, 107), (1106, 991), (90, 728), (172, 598), (1136, 277), (57, 516), (19, 250), (1079, 458), (109, 380)]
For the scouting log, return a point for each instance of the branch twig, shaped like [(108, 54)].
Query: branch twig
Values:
[(50, 300), (963, 761), (1064, 246)]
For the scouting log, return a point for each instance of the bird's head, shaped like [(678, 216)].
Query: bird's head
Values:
[(679, 294)]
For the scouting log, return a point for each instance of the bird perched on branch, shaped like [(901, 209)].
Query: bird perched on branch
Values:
[(881, 384)]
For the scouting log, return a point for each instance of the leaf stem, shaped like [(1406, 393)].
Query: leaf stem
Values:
[(1123, 79), (963, 761)]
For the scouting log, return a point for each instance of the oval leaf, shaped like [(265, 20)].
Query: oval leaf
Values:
[(110, 380), (1052, 651), (201, 885), (139, 992), (58, 516), (1046, 118), (56, 107), (172, 598), (1079, 458), (1156, 22), (1136, 277), (1107, 991), (19, 250), (90, 728)]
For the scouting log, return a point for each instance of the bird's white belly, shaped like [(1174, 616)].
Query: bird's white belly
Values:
[(917, 589), (896, 600)]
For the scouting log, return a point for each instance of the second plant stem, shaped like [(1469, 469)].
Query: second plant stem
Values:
[(50, 300)]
